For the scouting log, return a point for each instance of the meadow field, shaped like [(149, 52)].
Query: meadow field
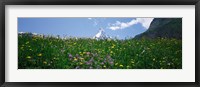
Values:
[(85, 53)]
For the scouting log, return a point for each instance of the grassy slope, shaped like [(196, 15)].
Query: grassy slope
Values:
[(40, 53)]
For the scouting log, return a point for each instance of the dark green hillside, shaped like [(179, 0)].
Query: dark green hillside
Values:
[(163, 28)]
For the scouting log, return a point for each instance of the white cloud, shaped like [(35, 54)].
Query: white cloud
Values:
[(121, 25)]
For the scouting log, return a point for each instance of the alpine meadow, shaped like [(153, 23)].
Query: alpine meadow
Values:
[(100, 43)]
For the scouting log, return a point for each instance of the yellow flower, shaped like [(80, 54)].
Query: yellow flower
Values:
[(121, 65), (81, 63), (111, 52), (81, 54), (81, 58), (113, 46), (104, 66), (39, 54), (127, 66), (116, 64), (30, 49), (75, 59), (28, 57), (45, 62)]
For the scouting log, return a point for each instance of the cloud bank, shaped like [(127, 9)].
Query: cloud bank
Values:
[(145, 22)]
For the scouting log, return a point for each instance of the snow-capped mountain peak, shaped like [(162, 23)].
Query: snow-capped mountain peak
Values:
[(100, 34)]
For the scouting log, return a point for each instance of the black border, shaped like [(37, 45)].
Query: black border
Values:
[(98, 2)]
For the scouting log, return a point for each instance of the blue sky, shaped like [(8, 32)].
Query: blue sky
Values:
[(85, 27)]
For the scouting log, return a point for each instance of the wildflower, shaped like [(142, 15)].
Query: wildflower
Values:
[(81, 58), (111, 52), (116, 64), (75, 59), (28, 57), (45, 62), (81, 63), (81, 54), (70, 56), (113, 47), (88, 63), (55, 58), (100, 58), (104, 66), (77, 55), (111, 63), (88, 53), (102, 63), (39, 54), (154, 59), (127, 66), (91, 60), (91, 67), (62, 50), (108, 56), (121, 65)]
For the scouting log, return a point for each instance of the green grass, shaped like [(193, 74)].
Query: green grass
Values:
[(51, 53)]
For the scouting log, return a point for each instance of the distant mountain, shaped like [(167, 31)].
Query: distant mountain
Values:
[(101, 34), (163, 28)]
